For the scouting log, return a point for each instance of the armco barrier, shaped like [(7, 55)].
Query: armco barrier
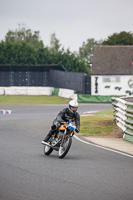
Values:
[(124, 116)]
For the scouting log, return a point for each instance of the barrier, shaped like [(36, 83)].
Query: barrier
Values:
[(27, 90), (2, 91), (124, 116), (86, 98), (66, 93), (55, 91)]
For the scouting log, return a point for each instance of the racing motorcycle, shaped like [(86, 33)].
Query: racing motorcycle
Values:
[(61, 140)]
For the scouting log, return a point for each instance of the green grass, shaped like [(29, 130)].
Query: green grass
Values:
[(31, 99), (102, 123)]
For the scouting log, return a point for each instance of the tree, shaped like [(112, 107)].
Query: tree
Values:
[(54, 43), (122, 38), (22, 47), (85, 51), (74, 63), (23, 34)]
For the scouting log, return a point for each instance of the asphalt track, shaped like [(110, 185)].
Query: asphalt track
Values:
[(86, 173)]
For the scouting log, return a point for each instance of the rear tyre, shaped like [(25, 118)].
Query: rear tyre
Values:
[(66, 146)]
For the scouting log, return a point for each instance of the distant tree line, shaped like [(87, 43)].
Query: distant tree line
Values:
[(24, 47)]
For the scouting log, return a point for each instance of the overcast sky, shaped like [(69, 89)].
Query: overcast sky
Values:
[(73, 21)]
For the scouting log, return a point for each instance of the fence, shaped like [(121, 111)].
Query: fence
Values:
[(44, 76), (124, 117), (26, 75), (79, 82)]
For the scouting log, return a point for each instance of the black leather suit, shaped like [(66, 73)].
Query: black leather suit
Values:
[(64, 116)]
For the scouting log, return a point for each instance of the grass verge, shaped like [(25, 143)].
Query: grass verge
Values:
[(31, 99), (98, 124)]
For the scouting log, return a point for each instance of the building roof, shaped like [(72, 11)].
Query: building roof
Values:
[(112, 60)]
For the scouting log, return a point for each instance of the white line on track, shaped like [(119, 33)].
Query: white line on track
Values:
[(106, 148)]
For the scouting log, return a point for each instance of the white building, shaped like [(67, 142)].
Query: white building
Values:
[(112, 70)]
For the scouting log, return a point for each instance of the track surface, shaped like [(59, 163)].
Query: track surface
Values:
[(86, 173)]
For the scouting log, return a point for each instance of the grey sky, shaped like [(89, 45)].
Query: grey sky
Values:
[(73, 21)]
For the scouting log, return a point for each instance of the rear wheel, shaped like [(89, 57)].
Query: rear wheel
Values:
[(66, 146), (47, 150)]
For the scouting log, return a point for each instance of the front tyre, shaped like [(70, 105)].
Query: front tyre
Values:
[(47, 150), (66, 146)]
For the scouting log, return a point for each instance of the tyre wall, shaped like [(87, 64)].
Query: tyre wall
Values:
[(124, 117)]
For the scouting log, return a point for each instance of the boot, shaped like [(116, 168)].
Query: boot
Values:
[(47, 137)]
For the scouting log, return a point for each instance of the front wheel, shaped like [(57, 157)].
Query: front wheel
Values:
[(47, 150), (66, 146)]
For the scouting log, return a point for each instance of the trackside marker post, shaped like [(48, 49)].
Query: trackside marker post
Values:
[(6, 112)]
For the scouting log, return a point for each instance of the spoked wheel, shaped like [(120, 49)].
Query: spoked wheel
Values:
[(47, 150), (66, 146)]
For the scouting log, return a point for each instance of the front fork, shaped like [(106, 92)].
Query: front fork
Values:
[(62, 142), (64, 136)]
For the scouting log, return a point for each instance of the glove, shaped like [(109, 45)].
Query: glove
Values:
[(77, 130)]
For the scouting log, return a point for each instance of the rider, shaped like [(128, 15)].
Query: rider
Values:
[(69, 113)]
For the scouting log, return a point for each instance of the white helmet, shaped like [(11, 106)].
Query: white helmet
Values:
[(73, 106)]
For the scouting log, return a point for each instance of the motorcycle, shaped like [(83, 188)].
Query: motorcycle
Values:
[(61, 140)]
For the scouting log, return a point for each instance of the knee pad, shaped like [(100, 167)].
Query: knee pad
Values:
[(55, 126)]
